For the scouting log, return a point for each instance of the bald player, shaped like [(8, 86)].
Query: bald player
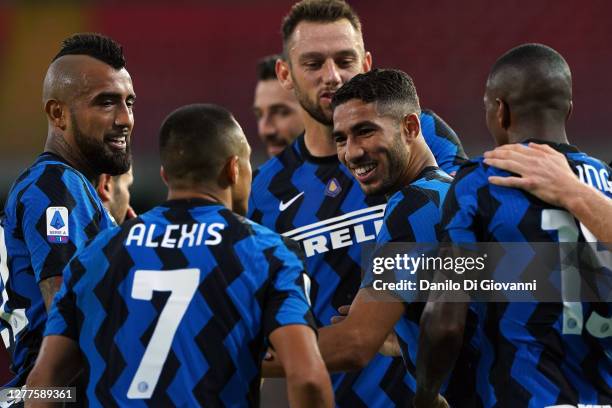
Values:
[(542, 354), (52, 208), (216, 287), (277, 109)]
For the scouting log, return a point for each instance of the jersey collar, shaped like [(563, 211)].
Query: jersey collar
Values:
[(48, 156), (301, 145), (190, 202), (561, 147)]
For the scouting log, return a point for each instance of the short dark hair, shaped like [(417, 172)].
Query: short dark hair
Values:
[(94, 45), (391, 90), (195, 141), (266, 67), (533, 78), (318, 11), (526, 56)]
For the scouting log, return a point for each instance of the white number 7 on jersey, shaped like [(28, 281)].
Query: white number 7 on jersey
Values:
[(182, 284)]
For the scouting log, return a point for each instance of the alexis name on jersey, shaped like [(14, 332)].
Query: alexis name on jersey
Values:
[(175, 235)]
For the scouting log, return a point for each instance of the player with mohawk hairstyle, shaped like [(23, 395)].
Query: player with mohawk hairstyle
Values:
[(52, 208)]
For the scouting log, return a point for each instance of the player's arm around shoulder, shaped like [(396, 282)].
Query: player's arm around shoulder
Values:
[(545, 173)]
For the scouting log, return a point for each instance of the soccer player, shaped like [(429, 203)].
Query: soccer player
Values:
[(176, 307), (376, 118), (114, 191), (546, 174), (277, 110), (534, 354), (307, 195), (52, 208)]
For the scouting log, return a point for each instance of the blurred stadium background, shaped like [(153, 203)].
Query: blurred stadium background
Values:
[(205, 51)]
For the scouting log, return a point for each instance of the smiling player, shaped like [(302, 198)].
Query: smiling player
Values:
[(52, 208)]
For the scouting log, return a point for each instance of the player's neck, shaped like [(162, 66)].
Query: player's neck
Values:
[(317, 137), (58, 145), (221, 197), (420, 158), (545, 132)]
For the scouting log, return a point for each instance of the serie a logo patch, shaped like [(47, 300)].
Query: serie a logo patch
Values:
[(57, 225)]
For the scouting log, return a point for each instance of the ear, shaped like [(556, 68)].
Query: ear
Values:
[(163, 175), (502, 113), (367, 61), (56, 113), (411, 127), (283, 74), (232, 170), (104, 187), (569, 111)]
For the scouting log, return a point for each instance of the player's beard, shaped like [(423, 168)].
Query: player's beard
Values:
[(314, 109), (101, 157), (397, 162)]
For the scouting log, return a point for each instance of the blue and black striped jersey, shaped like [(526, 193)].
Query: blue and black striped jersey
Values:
[(317, 202), (174, 308), (533, 354), (442, 141), (413, 214), (51, 211)]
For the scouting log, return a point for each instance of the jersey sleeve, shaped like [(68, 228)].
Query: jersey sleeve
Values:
[(460, 209), (59, 215), (443, 142), (288, 296), (411, 216)]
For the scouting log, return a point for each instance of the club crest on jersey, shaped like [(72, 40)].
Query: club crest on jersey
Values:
[(333, 188), (57, 225)]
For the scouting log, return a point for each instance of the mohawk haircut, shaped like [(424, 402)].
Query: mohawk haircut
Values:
[(392, 91), (95, 45), (317, 11), (266, 67)]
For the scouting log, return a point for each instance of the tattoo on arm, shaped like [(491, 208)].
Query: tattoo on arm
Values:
[(48, 288)]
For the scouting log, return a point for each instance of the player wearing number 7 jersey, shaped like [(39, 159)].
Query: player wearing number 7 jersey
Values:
[(177, 307), (533, 354)]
